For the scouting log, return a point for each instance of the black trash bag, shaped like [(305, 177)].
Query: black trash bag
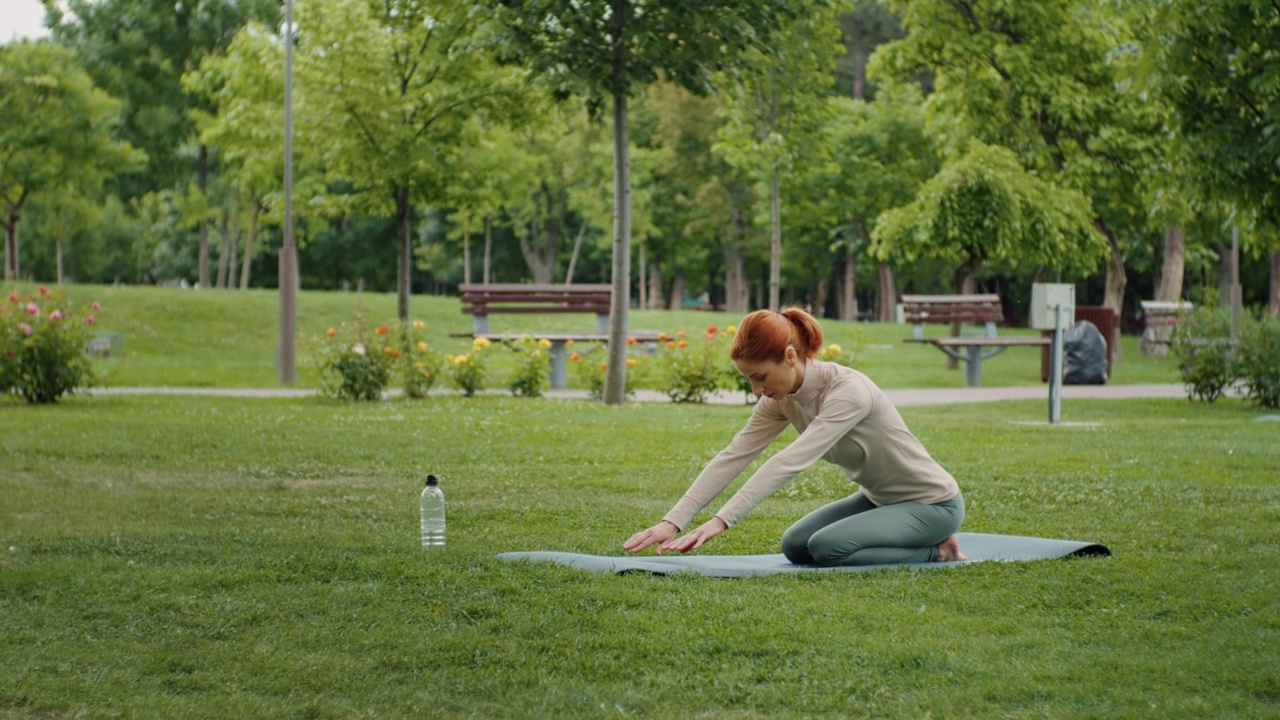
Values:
[(1084, 359)]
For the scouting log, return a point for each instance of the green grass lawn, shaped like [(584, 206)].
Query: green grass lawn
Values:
[(170, 556), (216, 338)]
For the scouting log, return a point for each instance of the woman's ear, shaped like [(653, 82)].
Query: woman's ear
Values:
[(790, 355)]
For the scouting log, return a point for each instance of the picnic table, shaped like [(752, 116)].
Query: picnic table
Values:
[(983, 309), (482, 300)]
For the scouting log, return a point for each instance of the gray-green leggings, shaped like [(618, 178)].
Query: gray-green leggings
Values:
[(855, 531)]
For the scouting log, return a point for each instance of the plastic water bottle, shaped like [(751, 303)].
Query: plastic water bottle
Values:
[(431, 503)]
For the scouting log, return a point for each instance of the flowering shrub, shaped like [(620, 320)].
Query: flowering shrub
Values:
[(355, 361), (422, 365), (533, 363), (1202, 345), (470, 372), (1259, 367), (42, 346), (591, 372), (693, 369)]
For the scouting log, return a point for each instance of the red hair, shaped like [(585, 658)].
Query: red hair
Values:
[(766, 335)]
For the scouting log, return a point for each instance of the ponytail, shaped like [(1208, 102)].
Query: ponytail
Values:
[(766, 335)]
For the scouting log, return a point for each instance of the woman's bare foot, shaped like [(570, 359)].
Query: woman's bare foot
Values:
[(949, 551)]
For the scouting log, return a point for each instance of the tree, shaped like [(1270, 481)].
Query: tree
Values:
[(390, 86), (138, 51), (607, 51), (1041, 79), (58, 127), (775, 105), (1216, 63)]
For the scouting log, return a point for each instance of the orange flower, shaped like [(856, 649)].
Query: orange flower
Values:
[(662, 336), (712, 329), (382, 330), (682, 334), (575, 357), (631, 341), (671, 343), (604, 366), (330, 332), (568, 342), (631, 362), (684, 343)]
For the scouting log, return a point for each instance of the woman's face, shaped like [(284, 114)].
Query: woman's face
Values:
[(772, 379)]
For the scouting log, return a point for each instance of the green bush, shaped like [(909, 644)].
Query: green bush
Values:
[(355, 362), (590, 372), (1259, 362), (690, 370), (422, 365), (532, 365), (1202, 345), (44, 355), (470, 372)]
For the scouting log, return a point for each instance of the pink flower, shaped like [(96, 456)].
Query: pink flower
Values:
[(25, 328), (13, 297), (95, 305), (43, 290), (89, 319), (33, 309), (56, 315)]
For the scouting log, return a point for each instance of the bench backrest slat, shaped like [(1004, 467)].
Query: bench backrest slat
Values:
[(947, 309), (480, 300)]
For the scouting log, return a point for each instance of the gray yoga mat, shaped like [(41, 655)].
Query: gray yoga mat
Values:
[(980, 547)]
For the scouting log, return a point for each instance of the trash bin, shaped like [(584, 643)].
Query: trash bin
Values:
[(1103, 319)]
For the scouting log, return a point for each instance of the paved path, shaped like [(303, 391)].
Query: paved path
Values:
[(901, 397)]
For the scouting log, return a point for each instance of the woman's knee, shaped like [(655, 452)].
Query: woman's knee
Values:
[(795, 547)]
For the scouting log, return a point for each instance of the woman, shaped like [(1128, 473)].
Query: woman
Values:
[(908, 508)]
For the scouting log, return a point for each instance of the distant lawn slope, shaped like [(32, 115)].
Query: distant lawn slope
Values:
[(229, 338)]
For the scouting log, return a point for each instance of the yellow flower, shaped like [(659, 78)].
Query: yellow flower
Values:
[(422, 346), (418, 365), (479, 344), (731, 329), (631, 362), (461, 360), (418, 324), (544, 343)]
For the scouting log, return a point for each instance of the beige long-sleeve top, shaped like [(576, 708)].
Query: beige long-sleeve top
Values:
[(843, 418)]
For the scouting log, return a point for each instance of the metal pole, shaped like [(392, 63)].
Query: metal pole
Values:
[(1055, 372), (288, 253)]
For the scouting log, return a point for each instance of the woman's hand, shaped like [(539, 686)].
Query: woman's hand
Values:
[(661, 533), (695, 538)]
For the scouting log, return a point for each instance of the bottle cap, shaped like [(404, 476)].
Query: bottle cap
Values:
[(431, 480)]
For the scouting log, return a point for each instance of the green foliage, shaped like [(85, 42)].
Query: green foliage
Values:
[(469, 372), (44, 346), (690, 369), (1259, 362), (421, 364), (356, 359), (1202, 344), (532, 366)]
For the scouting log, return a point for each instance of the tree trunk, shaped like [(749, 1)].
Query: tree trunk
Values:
[(233, 258), (615, 379), (57, 250), (737, 290), (466, 247), (1169, 281), (775, 240), (488, 247), (847, 300), (1273, 302), (677, 291), (1115, 282), (642, 287), (818, 308), (404, 230), (655, 286), (202, 176), (255, 210), (11, 267), (573, 257), (886, 294), (224, 248)]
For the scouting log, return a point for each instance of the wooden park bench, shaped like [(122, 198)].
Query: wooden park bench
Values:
[(480, 301), (985, 310)]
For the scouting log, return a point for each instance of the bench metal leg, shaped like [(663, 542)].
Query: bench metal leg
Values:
[(480, 323), (558, 363), (973, 366)]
